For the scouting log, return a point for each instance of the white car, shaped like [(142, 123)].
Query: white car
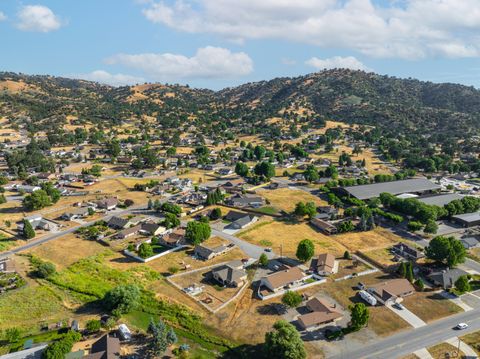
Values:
[(461, 326)]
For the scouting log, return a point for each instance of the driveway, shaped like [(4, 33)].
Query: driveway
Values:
[(407, 316), (250, 249)]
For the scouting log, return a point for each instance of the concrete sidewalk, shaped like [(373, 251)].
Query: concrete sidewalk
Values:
[(407, 316), (423, 354)]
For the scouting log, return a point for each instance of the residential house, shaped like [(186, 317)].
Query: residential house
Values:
[(174, 238), (283, 279), (446, 278), (325, 264), (243, 201), (406, 251), (26, 188), (225, 171), (243, 222), (37, 222), (122, 223), (106, 347), (326, 212), (320, 312), (234, 186), (152, 229), (75, 213), (107, 203), (230, 274), (392, 291), (469, 242), (206, 253), (129, 232), (323, 226)]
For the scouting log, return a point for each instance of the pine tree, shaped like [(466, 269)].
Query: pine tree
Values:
[(28, 231)]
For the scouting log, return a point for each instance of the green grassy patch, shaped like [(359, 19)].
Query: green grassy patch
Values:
[(26, 307), (92, 277), (268, 210), (265, 243)]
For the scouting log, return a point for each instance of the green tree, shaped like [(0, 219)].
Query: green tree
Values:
[(311, 174), (58, 349), (414, 226), (305, 250), (431, 227), (45, 269), (462, 284), (28, 232), (145, 250), (447, 250), (197, 232), (347, 255), (37, 200), (263, 260), (291, 299), (93, 325), (122, 298), (409, 274), (419, 284), (162, 337), (284, 342), (215, 214), (359, 316), (265, 169), (241, 169)]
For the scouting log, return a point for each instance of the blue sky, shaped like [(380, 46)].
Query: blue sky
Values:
[(220, 43)]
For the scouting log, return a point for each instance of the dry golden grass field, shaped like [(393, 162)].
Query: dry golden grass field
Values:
[(287, 235), (430, 306), (285, 199)]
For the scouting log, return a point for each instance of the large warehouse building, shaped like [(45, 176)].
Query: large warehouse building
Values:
[(467, 219), (414, 185)]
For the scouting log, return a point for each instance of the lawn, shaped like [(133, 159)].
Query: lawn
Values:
[(6, 243), (473, 339), (284, 199), (438, 351), (430, 306), (288, 235)]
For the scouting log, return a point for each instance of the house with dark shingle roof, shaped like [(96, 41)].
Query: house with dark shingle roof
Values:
[(106, 347), (392, 291), (446, 278), (230, 274)]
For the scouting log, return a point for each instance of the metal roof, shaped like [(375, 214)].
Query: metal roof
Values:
[(440, 200), (394, 187), (468, 217)]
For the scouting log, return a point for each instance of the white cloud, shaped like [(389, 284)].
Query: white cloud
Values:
[(2, 16), (348, 62), (409, 29), (105, 77), (38, 18), (208, 62)]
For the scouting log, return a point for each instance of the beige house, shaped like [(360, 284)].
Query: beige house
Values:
[(320, 312)]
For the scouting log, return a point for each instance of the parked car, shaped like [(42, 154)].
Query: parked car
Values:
[(361, 286), (398, 306), (461, 326), (268, 249)]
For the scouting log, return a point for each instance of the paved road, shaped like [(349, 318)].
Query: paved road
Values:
[(250, 249), (56, 235), (401, 344)]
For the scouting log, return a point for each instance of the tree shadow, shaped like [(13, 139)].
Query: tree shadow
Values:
[(245, 351)]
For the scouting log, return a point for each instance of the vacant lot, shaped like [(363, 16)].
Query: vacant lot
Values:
[(284, 199), (360, 241), (67, 250), (278, 234), (430, 306), (26, 307)]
